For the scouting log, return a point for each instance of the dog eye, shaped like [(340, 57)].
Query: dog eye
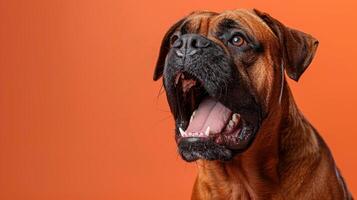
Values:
[(237, 40)]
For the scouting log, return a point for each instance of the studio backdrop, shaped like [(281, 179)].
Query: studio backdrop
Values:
[(82, 119)]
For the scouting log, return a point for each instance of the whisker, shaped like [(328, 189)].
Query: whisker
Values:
[(161, 91)]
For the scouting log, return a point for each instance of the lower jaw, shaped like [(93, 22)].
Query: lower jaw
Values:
[(221, 147), (192, 149)]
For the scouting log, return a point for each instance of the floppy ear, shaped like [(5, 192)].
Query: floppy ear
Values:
[(164, 49), (298, 48)]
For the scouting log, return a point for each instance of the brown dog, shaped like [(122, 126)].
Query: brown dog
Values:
[(223, 74)]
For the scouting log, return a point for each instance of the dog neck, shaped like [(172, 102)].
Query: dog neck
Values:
[(257, 173)]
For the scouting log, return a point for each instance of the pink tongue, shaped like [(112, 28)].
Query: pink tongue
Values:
[(209, 113)]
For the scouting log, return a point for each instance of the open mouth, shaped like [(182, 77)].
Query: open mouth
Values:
[(212, 120), (205, 122)]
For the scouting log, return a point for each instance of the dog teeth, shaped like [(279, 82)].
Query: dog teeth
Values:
[(207, 131), (235, 117), (195, 134), (182, 132), (192, 116), (231, 123)]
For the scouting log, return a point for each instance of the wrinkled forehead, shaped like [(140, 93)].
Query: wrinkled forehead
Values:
[(207, 23)]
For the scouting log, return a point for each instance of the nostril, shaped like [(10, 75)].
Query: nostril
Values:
[(197, 43), (194, 43), (177, 43), (202, 43)]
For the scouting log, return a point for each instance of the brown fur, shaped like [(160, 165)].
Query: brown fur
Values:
[(288, 159)]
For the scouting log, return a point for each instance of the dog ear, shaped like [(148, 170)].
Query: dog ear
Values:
[(164, 49), (298, 48)]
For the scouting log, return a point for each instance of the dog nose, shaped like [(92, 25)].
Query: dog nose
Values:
[(190, 44)]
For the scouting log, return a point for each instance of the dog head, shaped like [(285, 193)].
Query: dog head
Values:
[(222, 72)]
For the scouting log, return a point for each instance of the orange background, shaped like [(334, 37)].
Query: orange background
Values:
[(79, 112)]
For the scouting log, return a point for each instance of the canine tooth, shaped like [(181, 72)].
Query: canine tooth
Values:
[(183, 133), (207, 131), (191, 118), (194, 113), (235, 117)]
